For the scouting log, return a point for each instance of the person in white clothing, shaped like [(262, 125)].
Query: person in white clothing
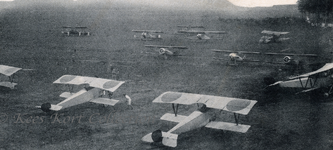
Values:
[(129, 101)]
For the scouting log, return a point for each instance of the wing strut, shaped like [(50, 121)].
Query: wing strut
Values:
[(175, 109), (70, 88), (11, 79), (236, 118)]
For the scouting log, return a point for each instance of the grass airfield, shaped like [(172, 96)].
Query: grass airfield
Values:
[(31, 38)]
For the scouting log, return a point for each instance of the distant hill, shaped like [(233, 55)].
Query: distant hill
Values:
[(223, 7)]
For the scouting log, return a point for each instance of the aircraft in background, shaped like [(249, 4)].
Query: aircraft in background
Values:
[(93, 93), (320, 79), (166, 51), (204, 117), (248, 56), (9, 71), (203, 35), (76, 31), (147, 34), (186, 28), (272, 37)]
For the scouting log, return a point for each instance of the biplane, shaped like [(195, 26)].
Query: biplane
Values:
[(147, 34), (203, 35), (248, 56), (166, 51), (185, 28), (9, 72), (199, 118), (272, 37), (75, 31), (319, 79), (93, 92)]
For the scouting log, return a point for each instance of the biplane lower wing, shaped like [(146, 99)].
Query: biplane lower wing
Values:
[(199, 37), (162, 46), (228, 126), (105, 101), (274, 32), (231, 51), (308, 90), (10, 85), (236, 105), (149, 31), (173, 118)]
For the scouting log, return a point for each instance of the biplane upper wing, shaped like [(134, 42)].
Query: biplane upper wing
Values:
[(81, 27), (150, 31), (8, 70), (105, 84), (190, 26), (231, 51), (236, 105), (215, 32), (202, 32), (73, 79), (162, 46), (273, 32), (326, 67)]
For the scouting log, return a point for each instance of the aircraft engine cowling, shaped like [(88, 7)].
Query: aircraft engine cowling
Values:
[(287, 59), (46, 107), (199, 36), (162, 51), (144, 35), (157, 136)]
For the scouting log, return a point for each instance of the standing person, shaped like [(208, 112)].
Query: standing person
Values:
[(129, 101), (115, 73)]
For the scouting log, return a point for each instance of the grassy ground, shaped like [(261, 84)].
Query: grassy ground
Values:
[(31, 38)]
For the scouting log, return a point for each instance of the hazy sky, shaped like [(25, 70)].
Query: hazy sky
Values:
[(255, 3), (243, 3)]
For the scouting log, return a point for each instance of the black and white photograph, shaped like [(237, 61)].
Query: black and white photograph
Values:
[(166, 74)]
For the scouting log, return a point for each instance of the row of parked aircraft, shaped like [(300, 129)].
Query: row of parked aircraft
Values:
[(95, 88), (198, 33)]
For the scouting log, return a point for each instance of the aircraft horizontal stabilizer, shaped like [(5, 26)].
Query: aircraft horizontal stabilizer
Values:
[(169, 139), (147, 138), (105, 101), (172, 117), (10, 85), (228, 126), (66, 94)]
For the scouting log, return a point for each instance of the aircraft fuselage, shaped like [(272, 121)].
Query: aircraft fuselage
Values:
[(195, 120), (80, 97)]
